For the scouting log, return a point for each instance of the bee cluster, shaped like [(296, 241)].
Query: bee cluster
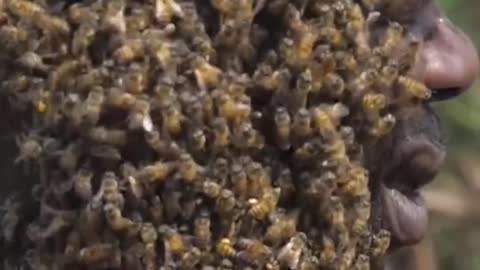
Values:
[(169, 134)]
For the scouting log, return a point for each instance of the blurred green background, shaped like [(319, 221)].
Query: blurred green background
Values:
[(454, 198)]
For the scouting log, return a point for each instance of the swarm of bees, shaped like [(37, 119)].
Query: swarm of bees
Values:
[(184, 134)]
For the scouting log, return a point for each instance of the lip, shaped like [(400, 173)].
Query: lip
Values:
[(405, 216)]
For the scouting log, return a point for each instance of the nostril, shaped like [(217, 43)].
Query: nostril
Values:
[(445, 94)]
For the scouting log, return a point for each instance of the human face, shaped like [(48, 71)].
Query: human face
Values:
[(447, 62)]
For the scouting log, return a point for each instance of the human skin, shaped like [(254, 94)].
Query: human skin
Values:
[(410, 157)]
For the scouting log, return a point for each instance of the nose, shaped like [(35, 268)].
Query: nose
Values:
[(447, 62)]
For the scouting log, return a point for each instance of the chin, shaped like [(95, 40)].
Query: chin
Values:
[(415, 152)]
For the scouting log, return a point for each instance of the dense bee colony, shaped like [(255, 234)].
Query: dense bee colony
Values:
[(221, 134)]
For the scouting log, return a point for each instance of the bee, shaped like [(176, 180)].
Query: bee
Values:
[(95, 253), (283, 127), (191, 259), (82, 184), (226, 202), (24, 9), (382, 125), (414, 88), (172, 119), (83, 38), (282, 227), (221, 132), (289, 254), (345, 261), (337, 213), (12, 37), (101, 134), (391, 38), (239, 180), (358, 182), (139, 117), (51, 24), (334, 85), (156, 210), (32, 61), (79, 14), (258, 178), (92, 106), (360, 222), (380, 243), (111, 192), (373, 102), (328, 253), (165, 10), (118, 98), (29, 148), (157, 171), (389, 73), (132, 49), (202, 230), (302, 124), (115, 219), (114, 17), (173, 240), (362, 262), (197, 139), (253, 251), (206, 74), (211, 189), (363, 81), (135, 81), (105, 152), (149, 236), (224, 248), (139, 20), (188, 169), (266, 204)]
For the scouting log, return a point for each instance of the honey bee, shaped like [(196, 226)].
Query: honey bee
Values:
[(283, 227), (131, 50), (114, 17), (173, 119), (380, 243), (156, 210), (173, 240), (117, 98), (29, 148), (102, 135), (266, 204), (328, 253), (78, 13), (283, 127), (105, 152), (93, 105), (111, 192), (115, 219), (211, 189), (414, 88), (191, 259), (206, 74), (139, 117), (289, 254), (155, 172), (259, 179), (226, 202), (202, 231), (302, 124), (82, 184), (373, 102), (12, 37), (24, 9), (32, 61), (358, 182), (221, 132), (165, 10), (51, 24), (254, 251), (382, 125), (95, 253), (224, 248), (391, 39), (362, 262), (346, 259), (239, 180), (362, 210), (197, 139), (188, 169), (83, 38), (337, 213)]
